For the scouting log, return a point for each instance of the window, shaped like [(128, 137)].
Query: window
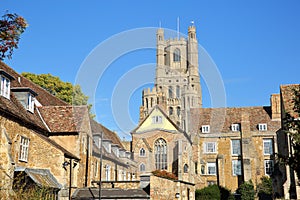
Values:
[(196, 168), (160, 148), (211, 168), (185, 168), (262, 127), (176, 55), (268, 146), (269, 167), (178, 111), (96, 169), (177, 91), (107, 173), (211, 183), (142, 167), (5, 87), (235, 147), (170, 111), (24, 146), (170, 92), (142, 152), (236, 168), (202, 169), (210, 147), (156, 119), (30, 103), (235, 127), (205, 129), (120, 175)]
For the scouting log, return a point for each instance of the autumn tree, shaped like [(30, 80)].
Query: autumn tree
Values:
[(65, 91), (11, 28)]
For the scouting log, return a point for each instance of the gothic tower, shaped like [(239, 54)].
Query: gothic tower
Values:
[(177, 82)]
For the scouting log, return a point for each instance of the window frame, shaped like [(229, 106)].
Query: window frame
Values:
[(24, 149), (161, 154), (270, 148), (5, 86), (176, 55), (270, 169), (205, 128), (157, 119), (235, 145), (142, 167), (262, 127), (210, 165), (107, 172), (206, 147), (235, 164), (235, 127), (142, 152)]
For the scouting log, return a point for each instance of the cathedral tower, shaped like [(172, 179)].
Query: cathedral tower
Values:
[(177, 82)]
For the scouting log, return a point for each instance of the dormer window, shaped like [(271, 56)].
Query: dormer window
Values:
[(5, 79), (235, 127), (26, 96), (262, 127), (205, 129)]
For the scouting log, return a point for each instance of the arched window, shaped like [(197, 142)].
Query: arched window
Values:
[(151, 102), (185, 168), (176, 55), (170, 111), (157, 100), (177, 91), (178, 111), (170, 92), (142, 152), (146, 103), (142, 167), (160, 147)]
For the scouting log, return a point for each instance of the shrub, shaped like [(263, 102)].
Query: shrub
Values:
[(247, 191), (264, 188), (213, 192)]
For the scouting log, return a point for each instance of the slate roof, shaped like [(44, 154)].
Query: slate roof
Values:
[(109, 193), (220, 119), (287, 98), (97, 128), (63, 119)]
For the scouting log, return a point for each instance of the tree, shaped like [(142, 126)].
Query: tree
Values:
[(246, 190), (11, 28), (264, 188), (65, 91), (292, 125)]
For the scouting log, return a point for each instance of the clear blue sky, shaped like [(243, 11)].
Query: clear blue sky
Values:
[(255, 44)]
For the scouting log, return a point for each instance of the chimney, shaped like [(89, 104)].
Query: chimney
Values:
[(275, 106)]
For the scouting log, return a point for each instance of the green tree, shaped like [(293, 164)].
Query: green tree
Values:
[(11, 28), (65, 91), (246, 190), (211, 192), (264, 188)]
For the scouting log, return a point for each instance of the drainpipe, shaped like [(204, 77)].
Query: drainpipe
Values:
[(70, 182)]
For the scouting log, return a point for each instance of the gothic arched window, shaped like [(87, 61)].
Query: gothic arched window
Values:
[(170, 111), (142, 152), (176, 55), (142, 167), (170, 92), (178, 111), (177, 91), (185, 168), (160, 147)]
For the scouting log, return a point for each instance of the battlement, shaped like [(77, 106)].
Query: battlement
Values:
[(149, 91)]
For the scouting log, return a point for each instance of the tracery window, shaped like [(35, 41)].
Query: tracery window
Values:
[(142, 152), (176, 55), (160, 147)]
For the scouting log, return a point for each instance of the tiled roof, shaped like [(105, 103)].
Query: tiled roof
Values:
[(63, 119), (44, 97), (287, 98), (110, 193), (220, 119), (108, 134)]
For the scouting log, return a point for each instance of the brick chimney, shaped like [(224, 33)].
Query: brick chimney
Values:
[(275, 106)]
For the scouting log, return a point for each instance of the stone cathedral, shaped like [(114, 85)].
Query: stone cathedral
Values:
[(177, 84)]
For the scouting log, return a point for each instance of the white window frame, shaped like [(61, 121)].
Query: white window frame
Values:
[(210, 147), (262, 127), (205, 129), (5, 87), (156, 119), (30, 103), (24, 148), (120, 175), (233, 146), (268, 150), (142, 152), (107, 173), (236, 167), (211, 165), (235, 127), (269, 169)]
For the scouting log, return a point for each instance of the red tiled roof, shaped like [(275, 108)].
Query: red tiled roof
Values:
[(63, 118), (222, 118)]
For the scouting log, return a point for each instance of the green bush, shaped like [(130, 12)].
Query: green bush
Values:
[(264, 188), (213, 192), (247, 191)]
